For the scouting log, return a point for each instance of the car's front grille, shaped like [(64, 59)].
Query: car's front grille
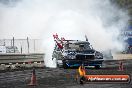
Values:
[(83, 57)]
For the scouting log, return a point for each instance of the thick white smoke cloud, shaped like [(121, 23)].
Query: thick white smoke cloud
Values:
[(100, 20)]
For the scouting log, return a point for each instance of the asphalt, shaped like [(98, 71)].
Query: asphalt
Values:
[(64, 78)]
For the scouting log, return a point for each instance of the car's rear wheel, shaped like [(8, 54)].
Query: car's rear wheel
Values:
[(59, 66), (65, 65)]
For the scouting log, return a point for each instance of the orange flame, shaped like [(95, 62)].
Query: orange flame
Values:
[(82, 71)]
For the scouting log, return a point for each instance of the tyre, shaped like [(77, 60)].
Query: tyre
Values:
[(65, 65), (97, 67), (59, 66)]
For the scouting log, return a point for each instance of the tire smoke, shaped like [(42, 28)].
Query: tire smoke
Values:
[(100, 20)]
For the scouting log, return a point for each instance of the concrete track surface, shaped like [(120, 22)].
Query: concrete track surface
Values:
[(64, 78)]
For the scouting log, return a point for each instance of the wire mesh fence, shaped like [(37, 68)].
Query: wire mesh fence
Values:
[(21, 46)]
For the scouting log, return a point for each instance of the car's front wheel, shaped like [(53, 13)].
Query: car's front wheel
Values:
[(97, 67)]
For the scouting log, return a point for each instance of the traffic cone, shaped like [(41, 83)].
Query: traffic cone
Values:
[(121, 66), (33, 81)]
